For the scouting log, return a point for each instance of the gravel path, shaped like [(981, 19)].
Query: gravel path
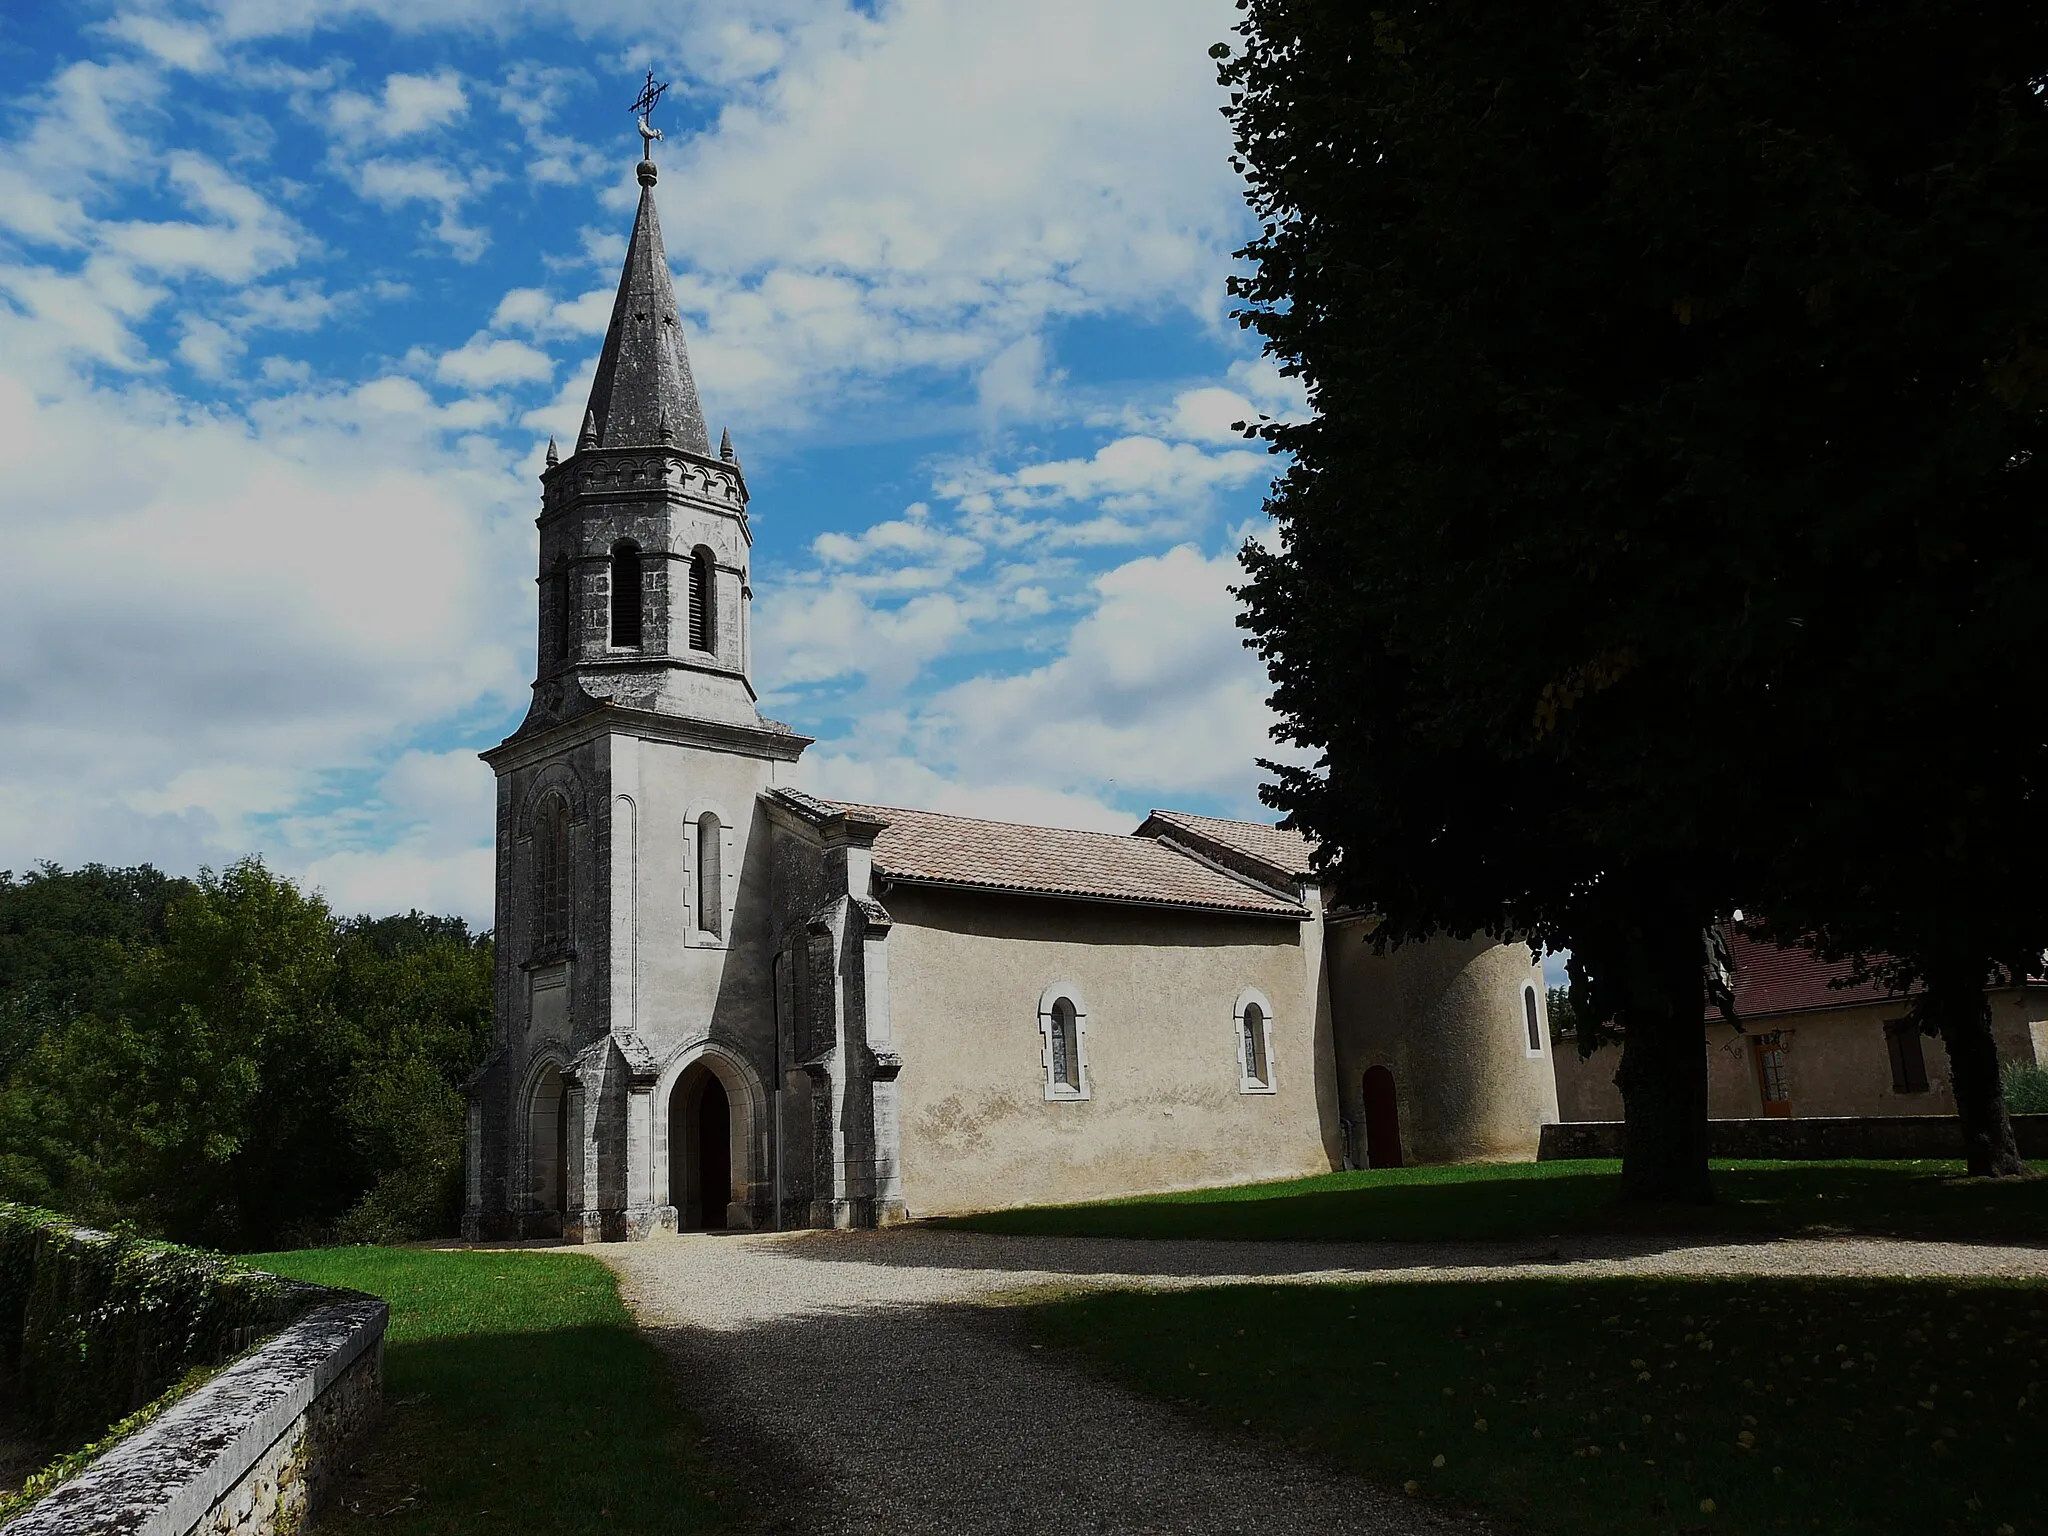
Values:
[(844, 1372)]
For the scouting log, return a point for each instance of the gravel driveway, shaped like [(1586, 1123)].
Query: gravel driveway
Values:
[(856, 1388)]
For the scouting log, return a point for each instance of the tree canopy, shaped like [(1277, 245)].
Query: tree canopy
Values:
[(224, 1061), (1667, 525)]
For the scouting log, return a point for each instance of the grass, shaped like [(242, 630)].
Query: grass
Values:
[(1619, 1406), (517, 1398), (1516, 1200)]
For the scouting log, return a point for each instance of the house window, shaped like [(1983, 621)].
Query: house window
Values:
[(710, 875), (1533, 1018), (1254, 1042), (1773, 1080), (1063, 1028), (626, 596), (1909, 1060), (553, 902), (703, 636)]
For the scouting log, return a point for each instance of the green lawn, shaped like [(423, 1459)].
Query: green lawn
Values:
[(517, 1397), (1517, 1200), (1597, 1407)]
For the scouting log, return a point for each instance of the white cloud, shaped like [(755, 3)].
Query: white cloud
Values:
[(409, 104), (253, 605), (483, 363), (1151, 697), (391, 182)]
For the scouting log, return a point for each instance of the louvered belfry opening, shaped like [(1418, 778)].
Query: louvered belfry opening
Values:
[(626, 596), (558, 613), (700, 601)]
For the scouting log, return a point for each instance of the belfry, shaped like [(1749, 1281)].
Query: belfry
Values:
[(724, 1002)]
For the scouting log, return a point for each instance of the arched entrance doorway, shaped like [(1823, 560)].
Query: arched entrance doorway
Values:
[(547, 1146), (1382, 1120), (700, 1149)]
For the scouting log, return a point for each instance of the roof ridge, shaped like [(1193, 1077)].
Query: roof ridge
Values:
[(985, 821)]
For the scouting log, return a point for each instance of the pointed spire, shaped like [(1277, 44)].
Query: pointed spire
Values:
[(588, 437), (644, 371), (725, 445), (667, 435), (554, 453)]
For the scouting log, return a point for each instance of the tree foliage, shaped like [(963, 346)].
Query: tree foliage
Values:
[(1666, 532), (239, 1067)]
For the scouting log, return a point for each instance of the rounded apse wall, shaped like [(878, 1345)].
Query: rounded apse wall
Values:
[(1449, 1020)]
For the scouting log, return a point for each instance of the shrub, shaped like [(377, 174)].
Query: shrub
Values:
[(2026, 1089)]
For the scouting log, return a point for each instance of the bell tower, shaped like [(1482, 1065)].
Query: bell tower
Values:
[(644, 544), (635, 1011)]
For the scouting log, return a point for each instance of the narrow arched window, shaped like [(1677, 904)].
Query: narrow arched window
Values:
[(703, 588), (1533, 1019), (1066, 1046), (710, 875), (1255, 1070), (553, 893), (558, 613), (626, 596)]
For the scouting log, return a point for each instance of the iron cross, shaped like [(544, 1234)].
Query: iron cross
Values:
[(643, 104)]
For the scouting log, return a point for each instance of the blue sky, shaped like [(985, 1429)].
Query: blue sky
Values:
[(293, 293)]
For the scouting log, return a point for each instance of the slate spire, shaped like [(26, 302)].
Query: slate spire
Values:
[(643, 394)]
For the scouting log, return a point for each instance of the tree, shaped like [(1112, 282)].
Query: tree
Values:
[(1654, 349), (239, 1067)]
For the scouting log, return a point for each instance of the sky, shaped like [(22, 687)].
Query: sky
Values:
[(293, 293)]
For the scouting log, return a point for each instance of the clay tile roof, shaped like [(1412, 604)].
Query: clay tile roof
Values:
[(1771, 980), (1276, 847), (1054, 861)]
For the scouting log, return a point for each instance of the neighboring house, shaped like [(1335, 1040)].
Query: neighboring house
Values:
[(722, 1001), (1808, 1047)]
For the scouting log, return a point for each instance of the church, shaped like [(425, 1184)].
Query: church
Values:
[(724, 1002)]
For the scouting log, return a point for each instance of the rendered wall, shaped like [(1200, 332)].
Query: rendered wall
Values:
[(967, 972), (1446, 1017), (1837, 1061)]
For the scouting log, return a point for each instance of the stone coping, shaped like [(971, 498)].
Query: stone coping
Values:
[(164, 1479)]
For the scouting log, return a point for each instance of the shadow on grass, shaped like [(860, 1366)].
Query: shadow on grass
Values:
[(517, 1398), (569, 1431), (1540, 1200), (1611, 1407)]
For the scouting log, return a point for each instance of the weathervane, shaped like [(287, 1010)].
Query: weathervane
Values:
[(644, 104)]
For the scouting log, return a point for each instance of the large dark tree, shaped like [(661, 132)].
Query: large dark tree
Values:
[(1676, 395)]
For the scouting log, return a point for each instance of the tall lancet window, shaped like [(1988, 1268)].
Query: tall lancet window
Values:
[(553, 893), (703, 631), (710, 876), (626, 596)]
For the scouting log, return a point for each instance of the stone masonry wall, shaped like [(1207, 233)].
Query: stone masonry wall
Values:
[(251, 1453)]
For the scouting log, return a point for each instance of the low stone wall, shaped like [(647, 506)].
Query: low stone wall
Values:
[(1875, 1136), (248, 1454)]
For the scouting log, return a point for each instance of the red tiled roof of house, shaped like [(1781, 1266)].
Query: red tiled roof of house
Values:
[(1278, 848), (1771, 980), (927, 846)]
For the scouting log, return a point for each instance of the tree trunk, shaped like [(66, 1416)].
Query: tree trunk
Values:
[(1954, 1002), (1663, 1073)]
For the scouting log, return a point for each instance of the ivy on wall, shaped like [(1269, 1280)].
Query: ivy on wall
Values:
[(98, 1325)]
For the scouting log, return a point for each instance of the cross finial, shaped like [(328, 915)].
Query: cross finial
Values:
[(643, 106)]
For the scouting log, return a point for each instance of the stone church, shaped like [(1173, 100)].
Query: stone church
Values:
[(723, 1002)]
